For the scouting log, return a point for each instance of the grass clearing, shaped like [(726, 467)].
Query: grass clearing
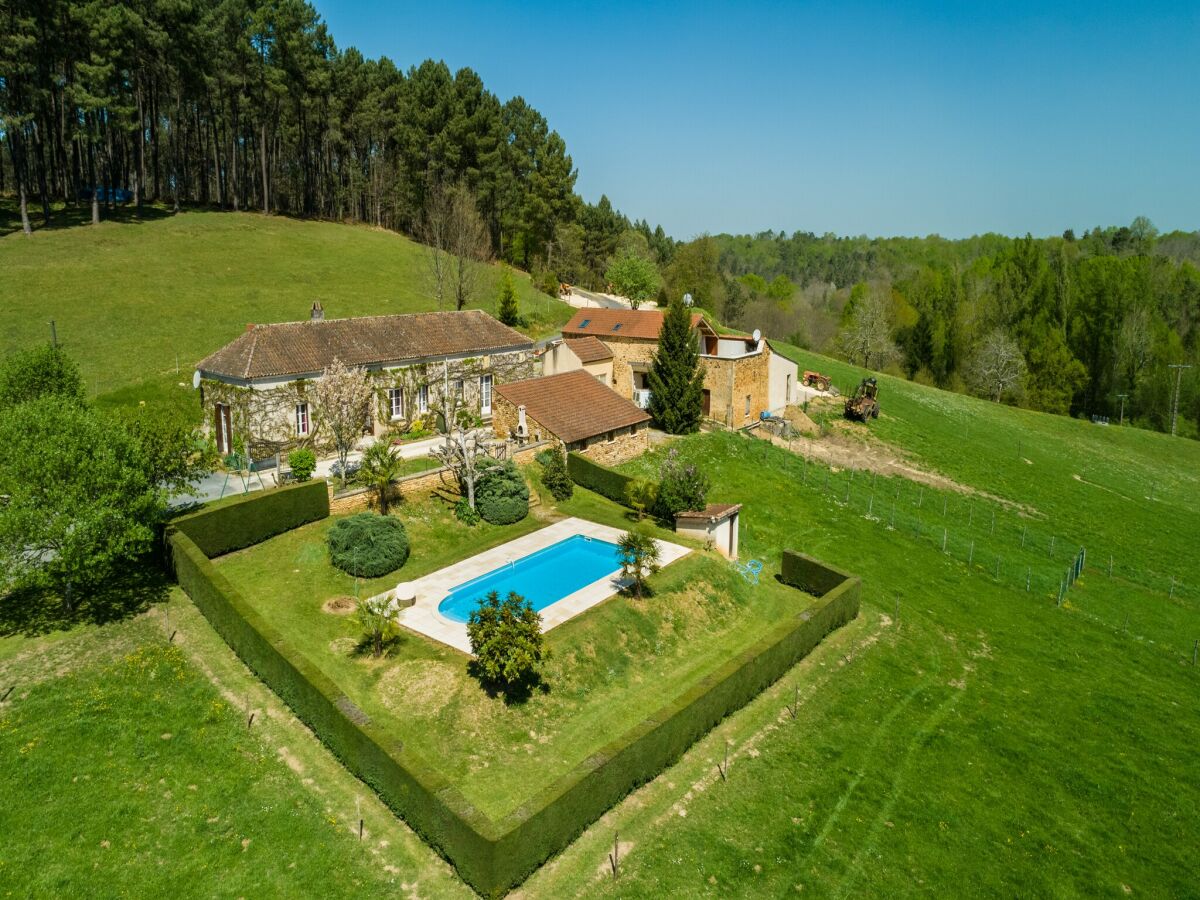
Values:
[(137, 773)]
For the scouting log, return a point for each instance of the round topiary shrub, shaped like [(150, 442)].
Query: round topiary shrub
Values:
[(368, 545), (501, 495)]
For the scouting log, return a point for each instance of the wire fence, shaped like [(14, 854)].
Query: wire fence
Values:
[(997, 541)]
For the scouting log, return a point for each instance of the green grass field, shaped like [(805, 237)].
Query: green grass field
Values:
[(500, 755), (139, 303), (964, 736)]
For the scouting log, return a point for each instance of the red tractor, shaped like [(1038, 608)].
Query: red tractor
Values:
[(816, 380)]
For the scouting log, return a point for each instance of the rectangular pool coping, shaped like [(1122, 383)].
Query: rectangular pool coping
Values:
[(423, 616)]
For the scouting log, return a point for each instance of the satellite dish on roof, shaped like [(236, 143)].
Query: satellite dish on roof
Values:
[(196, 380), (757, 335), (687, 299)]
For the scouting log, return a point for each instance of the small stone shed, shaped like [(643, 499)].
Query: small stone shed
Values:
[(717, 522), (576, 410)]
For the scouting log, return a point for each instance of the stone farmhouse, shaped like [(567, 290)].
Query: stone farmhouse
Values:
[(577, 411), (743, 376), (256, 389)]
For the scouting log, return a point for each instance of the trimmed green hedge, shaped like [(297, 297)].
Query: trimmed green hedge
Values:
[(494, 856), (426, 800), (595, 477), (255, 517), (809, 574), (549, 821)]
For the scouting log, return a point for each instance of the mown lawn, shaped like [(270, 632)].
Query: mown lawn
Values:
[(990, 741), (138, 303), (125, 772), (608, 669)]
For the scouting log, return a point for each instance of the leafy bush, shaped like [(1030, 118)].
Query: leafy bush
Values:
[(501, 495), (554, 475), (507, 642), (368, 545), (681, 486), (546, 282), (303, 463), (465, 514)]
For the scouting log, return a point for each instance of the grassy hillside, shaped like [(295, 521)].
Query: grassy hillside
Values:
[(968, 734), (132, 300)]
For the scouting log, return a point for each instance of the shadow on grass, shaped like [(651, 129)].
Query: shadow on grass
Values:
[(515, 694), (76, 216), (37, 610)]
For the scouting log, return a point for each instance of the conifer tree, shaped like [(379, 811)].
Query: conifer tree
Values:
[(506, 310), (676, 381)]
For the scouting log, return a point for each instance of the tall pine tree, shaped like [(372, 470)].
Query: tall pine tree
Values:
[(506, 304), (676, 380)]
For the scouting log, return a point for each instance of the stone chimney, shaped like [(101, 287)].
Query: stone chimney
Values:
[(317, 313)]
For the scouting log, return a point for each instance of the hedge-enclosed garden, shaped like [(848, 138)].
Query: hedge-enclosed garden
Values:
[(491, 852)]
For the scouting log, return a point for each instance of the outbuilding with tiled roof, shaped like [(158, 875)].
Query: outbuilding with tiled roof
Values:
[(577, 411)]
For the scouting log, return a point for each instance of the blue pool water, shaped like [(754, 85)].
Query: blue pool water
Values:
[(543, 577)]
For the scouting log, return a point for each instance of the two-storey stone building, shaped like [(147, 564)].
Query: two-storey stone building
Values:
[(256, 390), (743, 376)]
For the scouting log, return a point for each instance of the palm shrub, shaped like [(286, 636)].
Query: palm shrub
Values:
[(303, 463), (501, 495), (368, 545), (641, 494), (381, 465), (378, 622), (507, 642), (555, 476), (681, 486), (639, 556)]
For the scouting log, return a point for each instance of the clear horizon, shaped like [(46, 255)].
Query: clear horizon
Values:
[(867, 119)]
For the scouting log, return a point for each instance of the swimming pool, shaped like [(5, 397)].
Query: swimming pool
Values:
[(543, 577)]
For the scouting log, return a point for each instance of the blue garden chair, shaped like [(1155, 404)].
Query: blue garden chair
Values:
[(750, 569)]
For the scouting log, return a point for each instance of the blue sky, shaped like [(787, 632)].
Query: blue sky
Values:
[(879, 119)]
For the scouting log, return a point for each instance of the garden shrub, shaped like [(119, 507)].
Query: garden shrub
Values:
[(554, 474), (501, 495), (368, 545), (465, 514), (681, 486), (303, 463), (507, 643), (595, 477), (255, 517)]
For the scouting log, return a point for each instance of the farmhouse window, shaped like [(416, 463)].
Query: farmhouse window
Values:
[(302, 419), (396, 403), (458, 389), (423, 398), (747, 404)]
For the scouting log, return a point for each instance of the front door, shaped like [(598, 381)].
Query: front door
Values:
[(223, 427), (706, 402)]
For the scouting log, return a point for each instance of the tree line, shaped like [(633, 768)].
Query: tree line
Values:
[(1084, 325), (250, 105)]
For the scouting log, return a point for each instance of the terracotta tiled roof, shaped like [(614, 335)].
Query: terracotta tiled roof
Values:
[(573, 405), (588, 349), (643, 324), (305, 348), (712, 512)]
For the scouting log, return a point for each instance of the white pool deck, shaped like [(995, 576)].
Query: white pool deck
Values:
[(423, 616)]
